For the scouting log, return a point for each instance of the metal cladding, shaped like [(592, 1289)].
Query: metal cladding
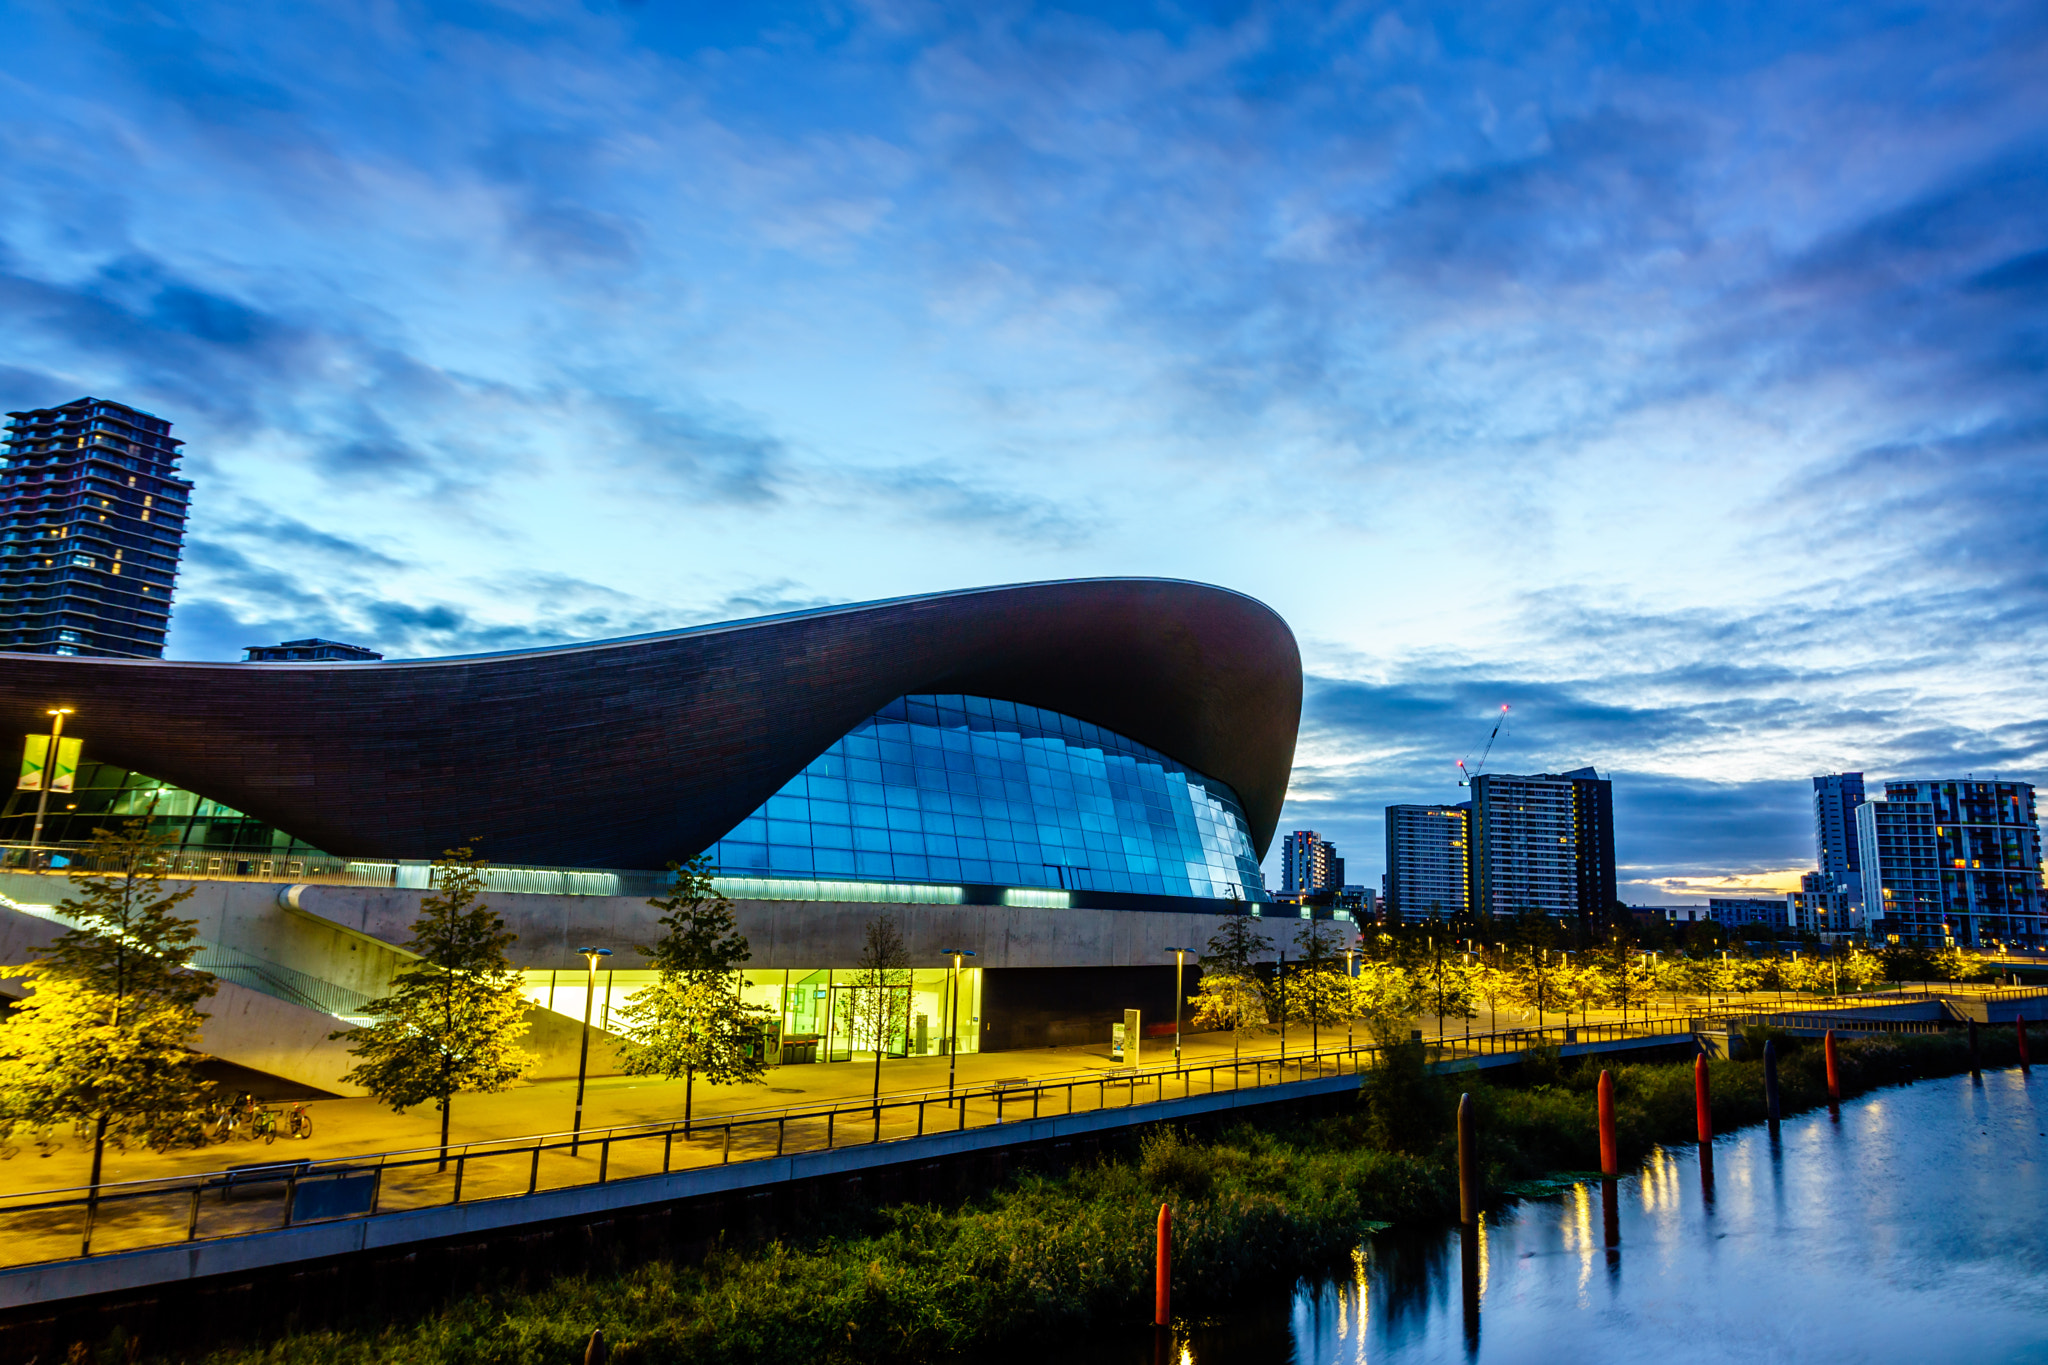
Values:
[(629, 753)]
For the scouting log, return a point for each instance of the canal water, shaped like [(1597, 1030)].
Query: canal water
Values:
[(1914, 1227)]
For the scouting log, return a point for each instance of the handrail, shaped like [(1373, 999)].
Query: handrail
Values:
[(863, 1120), (845, 1120)]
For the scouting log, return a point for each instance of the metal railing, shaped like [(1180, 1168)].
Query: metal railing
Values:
[(133, 1215)]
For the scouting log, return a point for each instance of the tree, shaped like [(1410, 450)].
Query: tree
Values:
[(1386, 995), (1320, 992), (106, 1041), (692, 1021), (880, 1004), (1230, 994), (453, 1020)]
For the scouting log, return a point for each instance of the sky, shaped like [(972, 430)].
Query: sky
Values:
[(1673, 374)]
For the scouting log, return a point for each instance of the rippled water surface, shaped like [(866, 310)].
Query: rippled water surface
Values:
[(1914, 1228)]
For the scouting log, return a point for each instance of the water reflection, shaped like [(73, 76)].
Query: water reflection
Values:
[(1908, 1230)]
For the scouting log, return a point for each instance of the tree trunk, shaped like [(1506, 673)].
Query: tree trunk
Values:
[(881, 1029), (689, 1089), (447, 1103), (99, 1148)]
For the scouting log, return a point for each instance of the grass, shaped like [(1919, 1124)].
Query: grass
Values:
[(1254, 1205)]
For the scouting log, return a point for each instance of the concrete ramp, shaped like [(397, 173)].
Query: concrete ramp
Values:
[(266, 1034)]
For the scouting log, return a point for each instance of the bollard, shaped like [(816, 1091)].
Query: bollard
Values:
[(1772, 1109), (1827, 1046), (1162, 1275), (1976, 1059), (2019, 1025), (1703, 1109), (1468, 1176), (596, 1353), (1610, 1162)]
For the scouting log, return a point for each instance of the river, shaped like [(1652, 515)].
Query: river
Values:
[(1912, 1228)]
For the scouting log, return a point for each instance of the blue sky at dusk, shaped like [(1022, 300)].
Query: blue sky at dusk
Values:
[(1673, 374)]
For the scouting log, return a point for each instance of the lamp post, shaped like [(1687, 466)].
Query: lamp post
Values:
[(1280, 985), (1180, 957), (590, 955), (1350, 975), (953, 1043), (49, 776)]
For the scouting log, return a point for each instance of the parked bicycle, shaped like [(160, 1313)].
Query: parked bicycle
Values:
[(299, 1122), (263, 1124), (217, 1121)]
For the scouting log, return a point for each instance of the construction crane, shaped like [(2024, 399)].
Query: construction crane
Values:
[(1466, 775)]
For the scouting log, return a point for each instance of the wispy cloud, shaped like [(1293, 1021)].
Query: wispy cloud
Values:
[(1674, 375)]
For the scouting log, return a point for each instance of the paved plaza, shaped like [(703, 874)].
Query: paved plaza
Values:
[(357, 1127)]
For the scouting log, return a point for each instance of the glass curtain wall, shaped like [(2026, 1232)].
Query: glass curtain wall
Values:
[(953, 789), (827, 1007), (206, 836)]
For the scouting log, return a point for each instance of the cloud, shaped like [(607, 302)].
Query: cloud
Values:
[(1679, 384), (940, 494)]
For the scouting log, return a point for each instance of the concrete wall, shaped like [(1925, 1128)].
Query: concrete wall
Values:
[(349, 936), (801, 934), (243, 1026), (247, 917), (275, 1036)]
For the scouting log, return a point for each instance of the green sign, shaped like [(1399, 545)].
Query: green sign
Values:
[(65, 770), (33, 753), (35, 759)]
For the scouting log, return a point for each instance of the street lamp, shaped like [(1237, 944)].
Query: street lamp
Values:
[(1350, 975), (953, 1045), (590, 955), (49, 775), (1180, 958)]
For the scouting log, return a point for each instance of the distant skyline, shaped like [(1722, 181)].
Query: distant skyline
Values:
[(1676, 378)]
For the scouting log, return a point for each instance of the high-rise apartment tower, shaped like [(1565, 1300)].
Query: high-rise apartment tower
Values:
[(1428, 867), (1544, 844), (1953, 862), (1308, 864), (92, 524), (1836, 853)]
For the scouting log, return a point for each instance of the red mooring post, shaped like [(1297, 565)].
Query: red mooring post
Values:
[(2019, 1025), (1610, 1161), (1162, 1275), (1468, 1172), (1702, 1103), (1827, 1046)]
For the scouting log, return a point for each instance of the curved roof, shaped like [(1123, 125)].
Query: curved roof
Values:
[(628, 753)]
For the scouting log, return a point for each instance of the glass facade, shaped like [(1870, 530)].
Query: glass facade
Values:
[(967, 790), (205, 836), (813, 1014)]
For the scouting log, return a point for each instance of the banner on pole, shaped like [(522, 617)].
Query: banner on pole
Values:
[(64, 772), (33, 753)]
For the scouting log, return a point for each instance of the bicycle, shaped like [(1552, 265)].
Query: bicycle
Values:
[(242, 1118), (264, 1126), (299, 1122), (217, 1122)]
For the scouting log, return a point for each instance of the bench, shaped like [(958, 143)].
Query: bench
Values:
[(259, 1173)]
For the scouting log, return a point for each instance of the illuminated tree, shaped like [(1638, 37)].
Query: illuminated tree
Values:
[(1385, 997), (1319, 991), (691, 1022), (881, 1004), (452, 1022), (1231, 994), (106, 1041)]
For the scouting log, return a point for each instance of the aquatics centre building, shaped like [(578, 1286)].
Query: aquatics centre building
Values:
[(1065, 779)]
